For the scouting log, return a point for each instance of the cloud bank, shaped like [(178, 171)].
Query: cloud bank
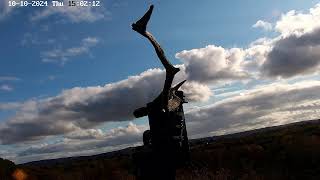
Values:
[(294, 52), (83, 108), (76, 113), (294, 55), (262, 106)]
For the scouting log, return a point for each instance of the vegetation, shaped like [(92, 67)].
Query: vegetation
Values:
[(6, 169), (286, 152)]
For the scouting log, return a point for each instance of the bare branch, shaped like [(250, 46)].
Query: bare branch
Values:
[(140, 27)]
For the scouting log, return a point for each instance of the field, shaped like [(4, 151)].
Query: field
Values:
[(283, 152)]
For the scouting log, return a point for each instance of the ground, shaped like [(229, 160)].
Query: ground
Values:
[(284, 152)]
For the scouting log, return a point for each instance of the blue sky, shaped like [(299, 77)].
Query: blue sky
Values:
[(47, 51), (191, 26)]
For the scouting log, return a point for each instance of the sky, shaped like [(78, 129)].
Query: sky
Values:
[(70, 77)]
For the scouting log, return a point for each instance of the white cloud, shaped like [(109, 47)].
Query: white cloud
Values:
[(76, 112), (293, 56), (256, 55), (294, 52), (6, 87), (84, 108), (213, 64), (298, 23), (61, 56), (262, 106), (85, 142), (264, 25), (86, 134), (74, 14), (195, 91)]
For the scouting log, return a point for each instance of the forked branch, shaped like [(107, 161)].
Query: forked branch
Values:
[(141, 27)]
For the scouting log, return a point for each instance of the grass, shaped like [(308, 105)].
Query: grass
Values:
[(288, 152)]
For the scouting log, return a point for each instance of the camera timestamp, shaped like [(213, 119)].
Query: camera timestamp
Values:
[(55, 3), (84, 3), (28, 3)]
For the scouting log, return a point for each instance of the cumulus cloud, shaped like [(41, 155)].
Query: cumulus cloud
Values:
[(294, 55), (262, 106), (61, 56), (213, 64), (84, 108), (294, 52), (74, 14), (263, 24), (298, 23)]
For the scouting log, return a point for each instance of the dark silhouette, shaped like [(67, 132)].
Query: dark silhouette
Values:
[(166, 144), (288, 152), (7, 168)]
